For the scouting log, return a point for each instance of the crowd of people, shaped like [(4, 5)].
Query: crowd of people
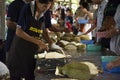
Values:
[(30, 21)]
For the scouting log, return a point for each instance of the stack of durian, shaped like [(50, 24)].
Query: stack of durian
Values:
[(72, 42)]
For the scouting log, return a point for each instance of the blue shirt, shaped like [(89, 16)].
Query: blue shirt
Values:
[(69, 19)]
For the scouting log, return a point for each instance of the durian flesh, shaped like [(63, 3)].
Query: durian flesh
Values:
[(51, 55), (93, 69)]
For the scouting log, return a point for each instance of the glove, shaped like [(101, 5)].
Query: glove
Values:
[(54, 46)]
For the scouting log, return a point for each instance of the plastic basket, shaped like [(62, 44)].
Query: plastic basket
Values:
[(93, 47), (105, 60), (87, 41)]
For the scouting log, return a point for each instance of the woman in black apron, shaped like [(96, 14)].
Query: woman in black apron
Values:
[(27, 41)]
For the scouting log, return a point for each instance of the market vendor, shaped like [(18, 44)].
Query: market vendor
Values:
[(28, 40), (114, 33)]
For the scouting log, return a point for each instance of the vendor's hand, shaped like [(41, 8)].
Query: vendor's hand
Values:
[(42, 46), (54, 46), (110, 66)]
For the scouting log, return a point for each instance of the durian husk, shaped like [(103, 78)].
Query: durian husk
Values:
[(81, 47), (69, 35), (66, 38), (76, 39), (70, 47), (63, 42), (75, 70), (53, 37), (84, 37), (73, 42)]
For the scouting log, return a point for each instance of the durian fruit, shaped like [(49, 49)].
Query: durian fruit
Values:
[(69, 35), (76, 39), (75, 70), (93, 69), (84, 37), (73, 42), (81, 47), (59, 35), (66, 38), (53, 37), (63, 42), (70, 47)]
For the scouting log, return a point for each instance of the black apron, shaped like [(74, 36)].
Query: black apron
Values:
[(21, 60)]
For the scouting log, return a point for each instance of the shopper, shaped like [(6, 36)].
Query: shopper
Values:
[(98, 15), (28, 40), (108, 22), (82, 17), (114, 33), (104, 20)]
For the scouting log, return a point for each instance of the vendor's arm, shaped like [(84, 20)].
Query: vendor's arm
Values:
[(11, 24), (24, 35), (113, 64), (93, 22), (47, 37), (91, 29), (115, 30)]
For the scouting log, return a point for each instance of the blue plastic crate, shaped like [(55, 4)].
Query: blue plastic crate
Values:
[(108, 58), (114, 70), (105, 60), (87, 41), (93, 47)]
